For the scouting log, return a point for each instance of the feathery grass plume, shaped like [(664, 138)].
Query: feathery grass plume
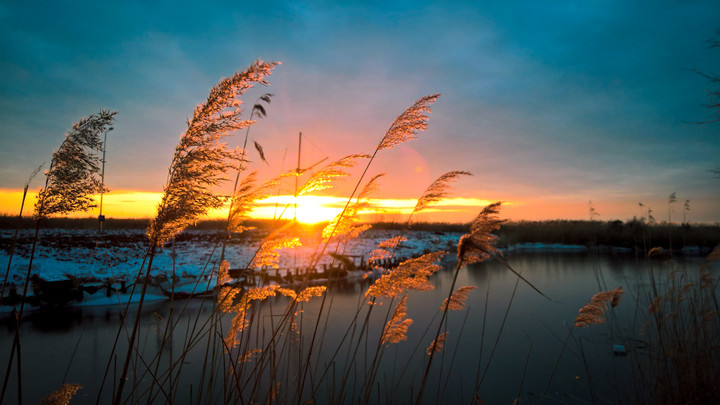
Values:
[(392, 243), (408, 124), (304, 295), (261, 152), (225, 297), (260, 293), (594, 311), (656, 251), (437, 345), (62, 395), (457, 299), (244, 198), (310, 292), (74, 173), (412, 274), (201, 159), (404, 128), (345, 226), (438, 190), (239, 322), (478, 245), (322, 178), (397, 327), (223, 273), (385, 248), (714, 256), (268, 256), (250, 355)]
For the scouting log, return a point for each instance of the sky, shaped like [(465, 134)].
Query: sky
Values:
[(550, 105)]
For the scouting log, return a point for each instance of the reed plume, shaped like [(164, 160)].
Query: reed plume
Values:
[(456, 302), (250, 355), (305, 295), (412, 274), (268, 256), (74, 173), (62, 395), (478, 245), (199, 164), (245, 197), (438, 344), (321, 179), (438, 190), (396, 328), (347, 226), (594, 312), (407, 125), (201, 159)]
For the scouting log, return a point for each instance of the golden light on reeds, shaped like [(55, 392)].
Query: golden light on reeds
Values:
[(397, 327), (437, 345), (594, 311), (412, 274), (62, 395), (457, 299)]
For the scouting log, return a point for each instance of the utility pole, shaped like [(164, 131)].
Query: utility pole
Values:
[(101, 217)]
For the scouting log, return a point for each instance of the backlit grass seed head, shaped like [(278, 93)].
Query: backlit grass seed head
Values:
[(268, 256), (385, 248), (225, 298), (379, 254), (311, 292), (438, 190), (245, 197), (478, 245), (321, 179), (594, 311), (305, 295), (345, 226), (250, 355), (62, 395), (412, 274), (408, 124), (201, 159), (239, 322), (223, 273), (396, 329), (392, 243), (437, 346), (457, 299), (261, 293), (74, 174)]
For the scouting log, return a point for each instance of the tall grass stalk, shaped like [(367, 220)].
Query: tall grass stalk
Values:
[(70, 183), (199, 165), (17, 229)]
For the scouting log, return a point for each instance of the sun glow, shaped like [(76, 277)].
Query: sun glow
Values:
[(310, 209)]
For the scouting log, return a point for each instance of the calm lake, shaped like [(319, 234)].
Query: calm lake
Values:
[(73, 345)]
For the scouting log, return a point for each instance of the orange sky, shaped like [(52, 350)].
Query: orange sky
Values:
[(141, 204)]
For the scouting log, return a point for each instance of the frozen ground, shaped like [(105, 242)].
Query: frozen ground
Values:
[(83, 254)]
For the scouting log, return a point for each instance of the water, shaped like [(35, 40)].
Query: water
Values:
[(73, 345)]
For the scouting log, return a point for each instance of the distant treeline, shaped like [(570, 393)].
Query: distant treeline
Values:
[(610, 233)]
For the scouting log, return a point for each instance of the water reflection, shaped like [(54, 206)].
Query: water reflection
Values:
[(532, 333)]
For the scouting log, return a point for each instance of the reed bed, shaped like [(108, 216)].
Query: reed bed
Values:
[(271, 343)]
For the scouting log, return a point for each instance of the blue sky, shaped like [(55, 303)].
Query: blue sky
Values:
[(548, 103)]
